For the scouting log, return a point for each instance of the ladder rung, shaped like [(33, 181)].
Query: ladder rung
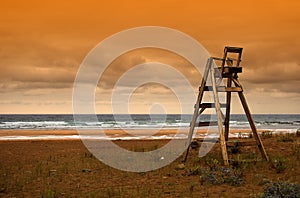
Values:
[(224, 89), (231, 70), (211, 105), (232, 89), (241, 143), (209, 88), (212, 123)]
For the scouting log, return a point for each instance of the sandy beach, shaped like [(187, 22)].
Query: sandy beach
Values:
[(143, 133), (60, 168)]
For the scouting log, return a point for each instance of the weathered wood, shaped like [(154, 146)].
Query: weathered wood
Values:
[(196, 110), (224, 89), (231, 70), (233, 89), (252, 125), (231, 73), (228, 104), (211, 105), (209, 123), (219, 118), (234, 49)]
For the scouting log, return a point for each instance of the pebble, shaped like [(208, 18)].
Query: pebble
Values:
[(180, 167)]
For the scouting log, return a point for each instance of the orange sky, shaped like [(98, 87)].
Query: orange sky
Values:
[(42, 44)]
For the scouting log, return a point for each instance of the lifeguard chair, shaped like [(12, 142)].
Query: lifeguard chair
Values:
[(228, 71)]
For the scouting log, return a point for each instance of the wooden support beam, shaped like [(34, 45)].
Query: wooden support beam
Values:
[(219, 118), (252, 125), (227, 115), (197, 106)]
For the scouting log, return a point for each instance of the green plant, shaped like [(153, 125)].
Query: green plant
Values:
[(234, 178), (213, 178), (196, 170), (39, 169), (281, 189), (267, 134), (296, 151), (286, 138), (212, 163), (230, 176), (278, 163), (48, 194), (298, 133), (235, 148)]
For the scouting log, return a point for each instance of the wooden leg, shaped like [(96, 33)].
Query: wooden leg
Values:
[(197, 106), (228, 104), (252, 125), (219, 117)]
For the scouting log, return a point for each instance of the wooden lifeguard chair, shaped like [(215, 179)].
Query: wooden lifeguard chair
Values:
[(228, 71)]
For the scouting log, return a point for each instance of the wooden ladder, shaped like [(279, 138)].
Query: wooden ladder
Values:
[(229, 69)]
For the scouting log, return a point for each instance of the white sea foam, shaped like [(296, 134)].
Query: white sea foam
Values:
[(273, 122)]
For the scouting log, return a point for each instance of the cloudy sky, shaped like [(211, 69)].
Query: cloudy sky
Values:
[(43, 43)]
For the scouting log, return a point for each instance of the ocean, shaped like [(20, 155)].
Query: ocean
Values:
[(273, 122)]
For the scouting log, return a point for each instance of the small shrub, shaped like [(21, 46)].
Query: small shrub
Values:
[(212, 163), (250, 135), (48, 194), (195, 170), (298, 133), (230, 176), (286, 138), (235, 178), (266, 134), (281, 189), (212, 178), (296, 151), (236, 148), (279, 164)]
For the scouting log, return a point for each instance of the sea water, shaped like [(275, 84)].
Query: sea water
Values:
[(141, 121)]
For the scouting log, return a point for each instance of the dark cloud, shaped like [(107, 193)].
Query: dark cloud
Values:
[(127, 61)]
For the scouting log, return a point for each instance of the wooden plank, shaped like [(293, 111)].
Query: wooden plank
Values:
[(224, 89), (233, 89), (234, 49), (231, 70), (210, 123), (211, 105), (219, 117)]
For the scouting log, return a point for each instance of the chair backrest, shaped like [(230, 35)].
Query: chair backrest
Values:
[(229, 61)]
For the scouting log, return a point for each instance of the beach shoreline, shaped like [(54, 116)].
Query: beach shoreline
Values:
[(114, 134)]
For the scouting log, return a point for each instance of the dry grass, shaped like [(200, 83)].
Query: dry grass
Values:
[(67, 169)]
